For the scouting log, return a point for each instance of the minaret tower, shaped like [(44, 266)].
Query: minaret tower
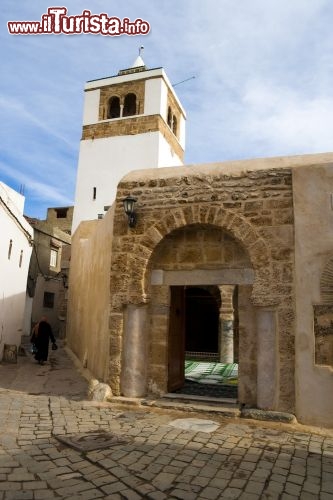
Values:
[(131, 121)]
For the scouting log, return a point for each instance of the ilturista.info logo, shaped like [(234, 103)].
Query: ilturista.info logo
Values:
[(56, 22)]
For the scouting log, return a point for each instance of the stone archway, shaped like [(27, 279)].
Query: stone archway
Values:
[(203, 256), (131, 290), (143, 246)]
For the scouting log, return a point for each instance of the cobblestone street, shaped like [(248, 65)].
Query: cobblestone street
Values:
[(56, 444)]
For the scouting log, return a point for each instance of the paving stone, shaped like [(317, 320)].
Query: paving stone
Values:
[(292, 489), (327, 487), (19, 495), (212, 493), (44, 494), (311, 488), (8, 486), (183, 495), (158, 462)]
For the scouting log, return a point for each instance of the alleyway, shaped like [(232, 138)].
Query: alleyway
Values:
[(56, 444)]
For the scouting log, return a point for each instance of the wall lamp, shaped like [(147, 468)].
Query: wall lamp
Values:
[(128, 203)]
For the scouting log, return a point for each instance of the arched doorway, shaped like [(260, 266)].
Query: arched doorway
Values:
[(192, 268)]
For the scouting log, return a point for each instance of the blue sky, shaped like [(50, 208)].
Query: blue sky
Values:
[(263, 83)]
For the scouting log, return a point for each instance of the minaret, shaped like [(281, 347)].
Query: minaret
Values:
[(131, 121)]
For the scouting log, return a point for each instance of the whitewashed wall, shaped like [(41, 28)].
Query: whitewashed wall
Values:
[(13, 277)]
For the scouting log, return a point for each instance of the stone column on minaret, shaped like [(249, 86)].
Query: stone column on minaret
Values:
[(226, 324)]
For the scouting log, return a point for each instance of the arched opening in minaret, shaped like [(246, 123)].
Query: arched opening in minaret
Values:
[(174, 125), (114, 107), (169, 119), (129, 105)]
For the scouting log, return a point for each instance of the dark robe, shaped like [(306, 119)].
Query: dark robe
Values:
[(41, 340)]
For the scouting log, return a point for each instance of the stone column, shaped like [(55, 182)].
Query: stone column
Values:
[(226, 324), (133, 382), (267, 362)]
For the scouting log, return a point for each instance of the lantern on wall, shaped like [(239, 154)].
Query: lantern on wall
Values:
[(128, 204)]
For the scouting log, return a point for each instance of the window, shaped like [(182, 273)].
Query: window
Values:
[(114, 107), (130, 105), (61, 213), (169, 117), (21, 258), (48, 300), (53, 257), (174, 125), (10, 248), (94, 193)]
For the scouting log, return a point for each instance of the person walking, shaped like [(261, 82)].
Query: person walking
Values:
[(41, 335)]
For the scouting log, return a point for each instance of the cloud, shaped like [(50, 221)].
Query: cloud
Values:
[(284, 119), (16, 108), (43, 191), (263, 86)]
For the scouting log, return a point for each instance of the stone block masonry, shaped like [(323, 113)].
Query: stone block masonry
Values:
[(210, 218)]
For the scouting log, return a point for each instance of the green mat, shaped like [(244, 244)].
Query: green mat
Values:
[(211, 373)]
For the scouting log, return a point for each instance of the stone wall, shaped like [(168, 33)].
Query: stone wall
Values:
[(242, 203), (264, 225), (120, 90)]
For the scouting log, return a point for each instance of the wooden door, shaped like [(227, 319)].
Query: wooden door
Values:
[(176, 348)]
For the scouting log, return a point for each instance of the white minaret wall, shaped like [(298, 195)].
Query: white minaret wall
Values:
[(15, 252), (104, 161), (90, 107), (157, 102)]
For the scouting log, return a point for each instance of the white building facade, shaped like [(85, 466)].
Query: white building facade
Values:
[(15, 253), (130, 121)]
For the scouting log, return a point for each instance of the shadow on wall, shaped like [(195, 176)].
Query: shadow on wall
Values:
[(12, 320)]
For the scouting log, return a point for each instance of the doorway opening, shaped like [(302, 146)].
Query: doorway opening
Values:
[(203, 341)]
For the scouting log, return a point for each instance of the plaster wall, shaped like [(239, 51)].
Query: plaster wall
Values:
[(89, 295), (156, 95), (156, 103), (313, 188), (91, 107), (112, 158), (15, 252)]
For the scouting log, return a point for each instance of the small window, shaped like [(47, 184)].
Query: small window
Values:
[(21, 258), (61, 213), (169, 117), (130, 105), (94, 193), (53, 257), (174, 125), (48, 300), (114, 107), (10, 249)]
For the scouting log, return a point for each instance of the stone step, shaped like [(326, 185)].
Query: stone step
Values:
[(224, 407)]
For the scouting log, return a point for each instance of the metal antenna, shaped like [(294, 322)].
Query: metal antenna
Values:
[(186, 80), (141, 49)]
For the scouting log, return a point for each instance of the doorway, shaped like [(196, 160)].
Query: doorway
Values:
[(194, 354)]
